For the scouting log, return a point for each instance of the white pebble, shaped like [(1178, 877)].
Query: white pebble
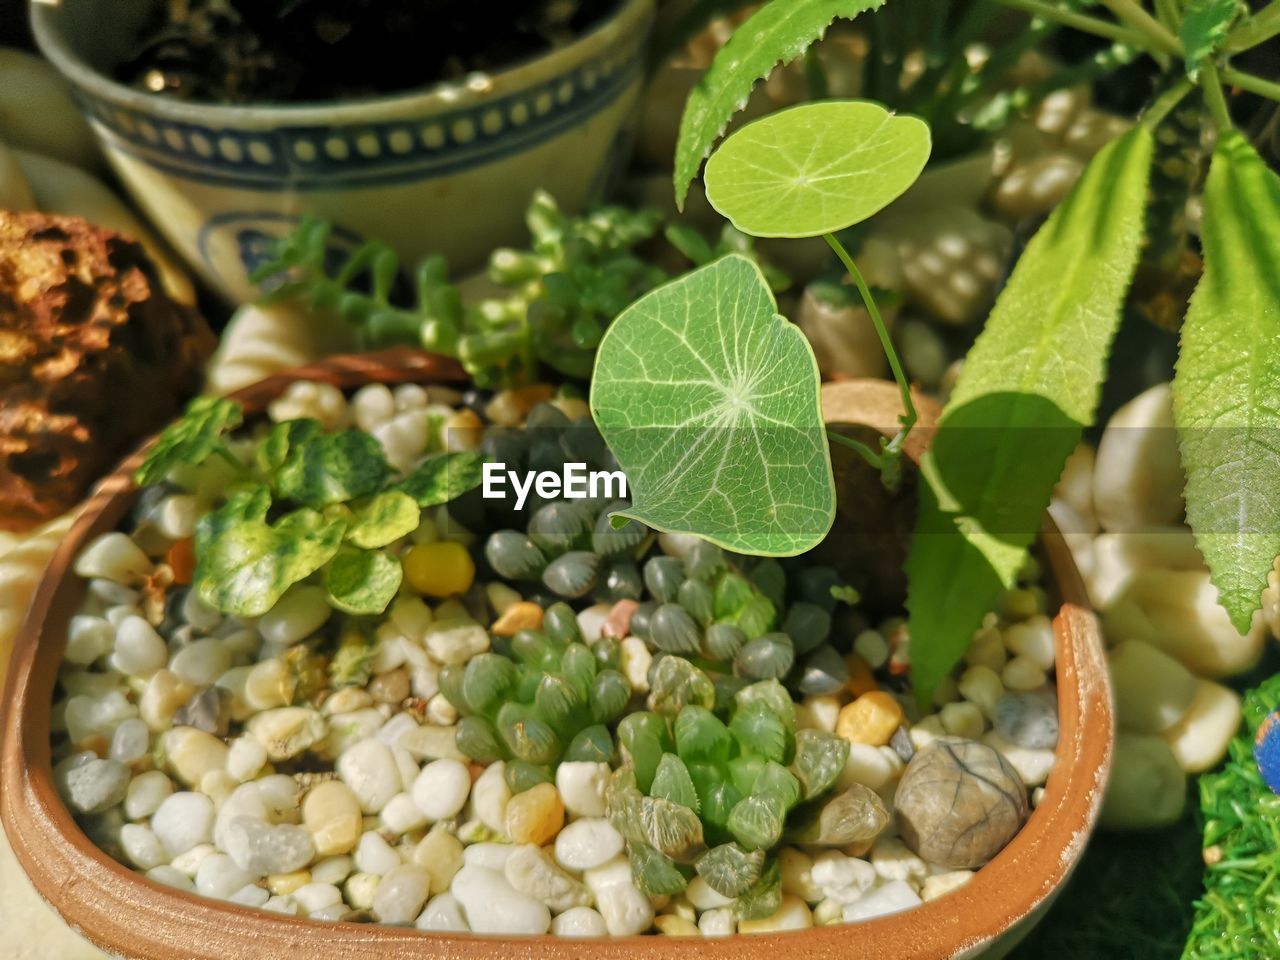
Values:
[(636, 660), (97, 785), (250, 895), (360, 888), (716, 923), (627, 912), (146, 792), (372, 406), (579, 922), (191, 861), (143, 847), (1033, 639), (219, 877), (88, 640), (797, 874), (245, 758), (491, 856), (374, 855), (455, 641), (962, 719), (792, 914), (443, 914), (531, 872), (299, 613), (369, 769), (113, 556), (401, 815), (703, 897), (491, 905), (286, 906), (893, 860), (401, 894), (201, 663), (286, 732), (198, 613), (312, 897), (1022, 674), (582, 786), (183, 821), (1153, 691), (441, 789), (177, 516), (841, 878), (1032, 765), (263, 849), (170, 877), (981, 686), (1199, 740), (139, 650), (587, 843), (334, 870), (894, 897), (940, 884), (490, 796), (130, 742), (866, 765)]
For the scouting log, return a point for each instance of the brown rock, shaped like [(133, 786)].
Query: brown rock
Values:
[(959, 802), (93, 357)]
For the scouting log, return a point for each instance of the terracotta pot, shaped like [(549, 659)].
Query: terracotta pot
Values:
[(127, 915)]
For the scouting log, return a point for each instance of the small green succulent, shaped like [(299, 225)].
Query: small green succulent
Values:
[(540, 697)]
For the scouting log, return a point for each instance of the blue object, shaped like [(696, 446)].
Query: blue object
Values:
[(1266, 750)]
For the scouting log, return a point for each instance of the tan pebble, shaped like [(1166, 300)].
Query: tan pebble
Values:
[(440, 854), (287, 732), (821, 712), (347, 700), (940, 884), (981, 686), (509, 407), (1021, 673), (871, 719), (1199, 740), (192, 753), (926, 731), (524, 615), (283, 884), (618, 623), (962, 719), (501, 597), (1153, 691), (463, 431), (671, 925), (331, 813), (792, 914), (165, 693), (536, 815), (987, 649), (391, 687)]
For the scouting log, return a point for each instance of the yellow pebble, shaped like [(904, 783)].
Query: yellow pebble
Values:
[(283, 884), (671, 925), (441, 569), (872, 718), (524, 615), (536, 815)]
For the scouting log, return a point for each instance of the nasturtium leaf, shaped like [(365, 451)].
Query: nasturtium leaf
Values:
[(330, 468), (362, 582), (192, 439), (1205, 24), (384, 518), (280, 439), (443, 477), (778, 32), (709, 401), (1029, 386), (244, 564), (816, 168), (1226, 393)]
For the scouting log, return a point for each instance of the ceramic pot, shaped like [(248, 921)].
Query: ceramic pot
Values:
[(129, 916), (449, 169)]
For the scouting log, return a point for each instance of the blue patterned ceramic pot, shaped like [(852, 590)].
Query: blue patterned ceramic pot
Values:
[(449, 169)]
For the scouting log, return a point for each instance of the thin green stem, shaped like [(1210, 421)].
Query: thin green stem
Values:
[(1080, 21), (1159, 37), (1155, 114), (1254, 30), (908, 419), (1213, 97), (1167, 13), (1247, 81), (869, 454)]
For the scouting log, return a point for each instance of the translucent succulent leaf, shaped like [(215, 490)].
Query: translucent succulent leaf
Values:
[(486, 680), (557, 702), (757, 821), (673, 630), (730, 870), (816, 168), (820, 759), (475, 737), (578, 665), (521, 775), (526, 735), (610, 694), (760, 731), (672, 782), (776, 780), (769, 657), (708, 399), (853, 816), (622, 805), (770, 579), (701, 737), (745, 771), (773, 695), (722, 641), (593, 744), (675, 684), (531, 646), (808, 625), (655, 873), (645, 738), (696, 597), (560, 623), (739, 603), (718, 797), (451, 678), (763, 899), (671, 828)]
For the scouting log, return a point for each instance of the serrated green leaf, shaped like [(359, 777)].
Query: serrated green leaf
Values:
[(763, 899), (280, 439), (244, 565), (1205, 24), (656, 874), (362, 582), (816, 168), (1226, 392), (672, 782), (671, 828), (819, 761), (383, 519), (709, 400), (701, 737), (1028, 388), (444, 477), (756, 821), (331, 468), (778, 32), (192, 439), (730, 870), (760, 731)]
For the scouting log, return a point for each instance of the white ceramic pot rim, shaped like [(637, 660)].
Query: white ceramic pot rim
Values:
[(629, 18)]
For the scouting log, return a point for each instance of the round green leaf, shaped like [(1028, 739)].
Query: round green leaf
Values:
[(384, 519), (816, 168), (362, 581)]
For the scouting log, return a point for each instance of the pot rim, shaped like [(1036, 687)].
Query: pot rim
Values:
[(121, 911), (629, 18)]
